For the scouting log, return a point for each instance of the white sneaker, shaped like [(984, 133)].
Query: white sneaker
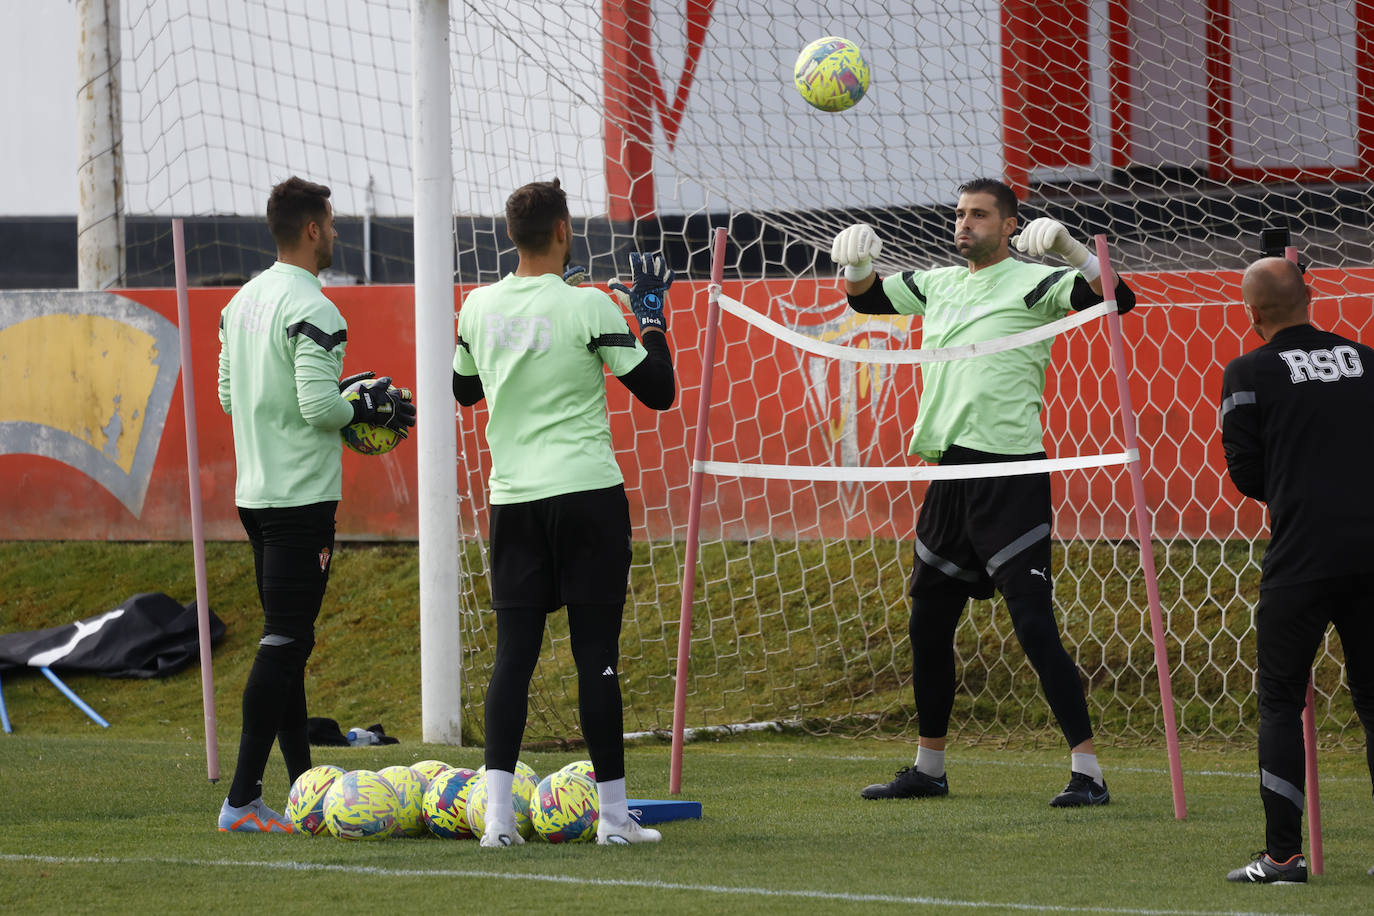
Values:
[(498, 835), (608, 834), (254, 817)]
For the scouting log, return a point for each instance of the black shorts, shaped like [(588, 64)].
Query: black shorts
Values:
[(568, 549), (984, 533)]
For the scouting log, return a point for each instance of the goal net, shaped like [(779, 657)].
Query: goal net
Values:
[(1179, 129)]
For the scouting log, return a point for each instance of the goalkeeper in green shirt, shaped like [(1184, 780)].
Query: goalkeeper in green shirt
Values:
[(534, 346), (281, 353), (978, 535)]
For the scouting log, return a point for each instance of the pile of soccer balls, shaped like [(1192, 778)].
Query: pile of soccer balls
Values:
[(431, 798)]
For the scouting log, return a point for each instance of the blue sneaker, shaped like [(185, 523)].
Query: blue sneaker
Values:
[(1081, 791), (254, 817), (908, 783)]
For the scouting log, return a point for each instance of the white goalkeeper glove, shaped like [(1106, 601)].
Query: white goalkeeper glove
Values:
[(1048, 236), (855, 248)]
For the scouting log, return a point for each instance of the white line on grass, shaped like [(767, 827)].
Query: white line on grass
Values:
[(840, 897)]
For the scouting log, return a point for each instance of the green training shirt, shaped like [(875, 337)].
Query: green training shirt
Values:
[(538, 346), (281, 349), (992, 402)]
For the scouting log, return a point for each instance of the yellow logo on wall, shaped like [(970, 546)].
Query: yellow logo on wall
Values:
[(89, 377)]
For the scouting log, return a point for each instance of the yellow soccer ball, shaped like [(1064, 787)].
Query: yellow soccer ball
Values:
[(305, 804), (365, 438), (566, 807), (410, 795), (444, 809), (831, 73), (361, 805)]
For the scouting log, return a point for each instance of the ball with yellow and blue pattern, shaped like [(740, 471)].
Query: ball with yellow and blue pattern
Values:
[(361, 805), (831, 73)]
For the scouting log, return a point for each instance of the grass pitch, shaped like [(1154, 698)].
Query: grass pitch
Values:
[(101, 823), (121, 820)]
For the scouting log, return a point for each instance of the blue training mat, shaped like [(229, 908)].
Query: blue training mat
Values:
[(656, 810)]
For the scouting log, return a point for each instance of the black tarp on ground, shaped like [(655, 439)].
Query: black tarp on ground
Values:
[(149, 635)]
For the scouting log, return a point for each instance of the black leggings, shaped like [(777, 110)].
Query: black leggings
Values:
[(292, 549), (1290, 623), (595, 633), (935, 613)]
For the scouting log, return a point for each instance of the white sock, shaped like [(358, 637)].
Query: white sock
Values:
[(1087, 765), (610, 798), (930, 761), (500, 800)]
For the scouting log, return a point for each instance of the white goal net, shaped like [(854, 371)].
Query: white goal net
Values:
[(1179, 129)]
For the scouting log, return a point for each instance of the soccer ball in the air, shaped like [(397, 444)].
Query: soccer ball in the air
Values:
[(361, 805), (365, 438), (565, 808), (305, 804), (831, 73), (410, 795), (444, 809)]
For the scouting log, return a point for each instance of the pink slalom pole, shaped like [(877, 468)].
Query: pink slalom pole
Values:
[(1309, 739), (1144, 535), (188, 397), (689, 565), (1314, 805)]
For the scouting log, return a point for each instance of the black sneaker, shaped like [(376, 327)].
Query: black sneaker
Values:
[(1081, 791), (908, 783), (1264, 870)]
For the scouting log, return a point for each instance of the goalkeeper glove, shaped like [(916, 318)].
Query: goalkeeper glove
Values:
[(575, 275), (650, 278), (855, 248), (350, 379), (380, 404), (1048, 236)]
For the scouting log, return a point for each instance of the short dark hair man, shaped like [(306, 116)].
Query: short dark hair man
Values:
[(534, 345), (1296, 428), (281, 353), (981, 534)]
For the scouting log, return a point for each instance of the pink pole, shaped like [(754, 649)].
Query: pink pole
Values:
[(1309, 739), (689, 565), (188, 398), (1314, 805), (1143, 532)]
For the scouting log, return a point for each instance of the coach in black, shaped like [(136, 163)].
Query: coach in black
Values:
[(1297, 424)]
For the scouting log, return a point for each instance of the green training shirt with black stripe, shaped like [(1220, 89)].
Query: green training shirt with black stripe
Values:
[(280, 357), (539, 345), (991, 402)]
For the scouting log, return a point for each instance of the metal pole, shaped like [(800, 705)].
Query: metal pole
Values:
[(436, 436), (100, 157)]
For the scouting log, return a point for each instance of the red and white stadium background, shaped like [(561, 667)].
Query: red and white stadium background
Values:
[(72, 397)]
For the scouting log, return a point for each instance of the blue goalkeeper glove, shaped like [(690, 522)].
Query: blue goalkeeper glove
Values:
[(382, 405), (575, 275), (650, 278)]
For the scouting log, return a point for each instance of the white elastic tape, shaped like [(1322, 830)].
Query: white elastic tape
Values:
[(929, 472), (909, 357)]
